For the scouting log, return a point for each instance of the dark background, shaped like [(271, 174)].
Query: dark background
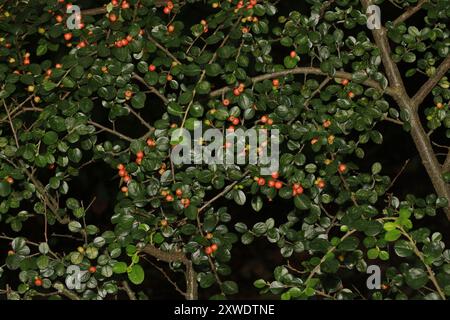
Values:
[(259, 259)]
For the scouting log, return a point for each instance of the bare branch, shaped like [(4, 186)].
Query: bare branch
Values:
[(425, 90), (111, 131), (304, 70), (151, 88), (409, 12), (164, 49), (127, 289), (177, 256)]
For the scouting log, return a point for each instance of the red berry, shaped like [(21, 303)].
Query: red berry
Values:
[(236, 92), (179, 192), (112, 17), (208, 250), (214, 247), (278, 185), (351, 94), (261, 181), (140, 154), (271, 183), (235, 121), (293, 54), (124, 189), (276, 82), (275, 175), (68, 36), (226, 102), (169, 198), (122, 173), (38, 282), (120, 166), (151, 68), (342, 168), (171, 28), (92, 269), (127, 178), (344, 82), (264, 119), (166, 10)]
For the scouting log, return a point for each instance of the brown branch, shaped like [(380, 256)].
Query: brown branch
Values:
[(164, 273), (419, 254), (151, 88), (316, 269), (423, 92), (94, 11), (65, 292), (130, 293), (164, 49), (398, 174), (409, 12), (410, 106), (143, 122), (11, 124), (304, 70), (446, 164), (177, 256), (111, 131)]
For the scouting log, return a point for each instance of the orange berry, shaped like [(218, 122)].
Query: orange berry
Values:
[(68, 36), (342, 168), (209, 236), (261, 181), (236, 92), (92, 269), (166, 10), (171, 28), (169, 77), (151, 142), (293, 54), (59, 19), (351, 94), (276, 82), (278, 185), (264, 119), (122, 173), (275, 175), (124, 189), (208, 250), (151, 68), (140, 154), (271, 183), (10, 180), (214, 247), (326, 123), (126, 179), (38, 282), (226, 102), (344, 82), (169, 198), (179, 192)]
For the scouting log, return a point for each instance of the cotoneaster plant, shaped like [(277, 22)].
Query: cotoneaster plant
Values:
[(112, 91)]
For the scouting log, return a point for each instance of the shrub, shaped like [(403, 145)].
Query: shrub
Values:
[(110, 92)]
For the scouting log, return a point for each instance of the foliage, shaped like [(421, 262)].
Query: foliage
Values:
[(317, 74)]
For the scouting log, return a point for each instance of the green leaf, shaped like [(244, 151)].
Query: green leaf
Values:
[(230, 287), (138, 100), (136, 274), (392, 235), (120, 267), (239, 197), (403, 248), (416, 278), (5, 189)]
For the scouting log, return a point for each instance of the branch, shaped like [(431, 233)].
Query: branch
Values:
[(127, 289), (446, 165), (118, 134), (423, 92), (160, 46), (94, 11), (151, 88), (304, 70), (422, 259), (409, 12), (65, 292), (324, 258), (177, 256)]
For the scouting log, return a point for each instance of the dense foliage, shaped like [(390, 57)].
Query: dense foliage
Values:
[(113, 91)]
